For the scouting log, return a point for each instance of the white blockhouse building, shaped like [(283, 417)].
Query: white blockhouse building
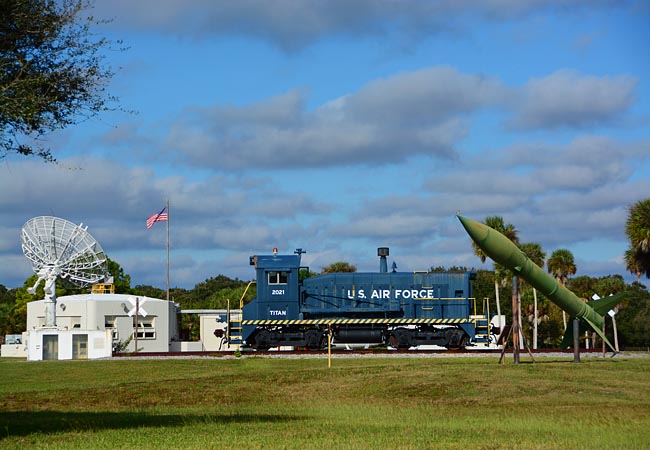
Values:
[(90, 325), (95, 325)]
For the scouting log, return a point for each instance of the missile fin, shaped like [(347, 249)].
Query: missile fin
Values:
[(567, 340), (599, 332), (605, 304)]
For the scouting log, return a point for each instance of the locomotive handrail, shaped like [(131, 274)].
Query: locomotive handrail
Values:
[(241, 300), (236, 324), (485, 316)]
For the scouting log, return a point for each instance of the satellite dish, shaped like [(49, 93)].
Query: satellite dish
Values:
[(58, 248)]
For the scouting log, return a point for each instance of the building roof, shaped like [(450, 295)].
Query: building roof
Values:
[(105, 298)]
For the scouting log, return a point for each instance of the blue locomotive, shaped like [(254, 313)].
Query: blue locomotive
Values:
[(399, 309)]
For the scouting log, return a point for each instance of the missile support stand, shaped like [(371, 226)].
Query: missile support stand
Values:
[(515, 330)]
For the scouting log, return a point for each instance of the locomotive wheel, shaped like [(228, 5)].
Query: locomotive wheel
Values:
[(400, 338), (313, 339), (263, 340), (456, 340)]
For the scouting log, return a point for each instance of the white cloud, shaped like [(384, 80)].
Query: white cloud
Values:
[(422, 97), (424, 112), (567, 98), (585, 163), (386, 121), (294, 25)]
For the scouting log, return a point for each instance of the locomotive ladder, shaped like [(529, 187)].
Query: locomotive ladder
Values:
[(234, 331), (482, 322)]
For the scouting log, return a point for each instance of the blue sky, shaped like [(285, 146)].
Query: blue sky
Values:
[(343, 126)]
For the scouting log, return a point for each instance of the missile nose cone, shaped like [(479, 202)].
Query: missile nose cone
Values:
[(495, 245), (476, 230)]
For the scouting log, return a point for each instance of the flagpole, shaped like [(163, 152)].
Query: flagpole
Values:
[(168, 249)]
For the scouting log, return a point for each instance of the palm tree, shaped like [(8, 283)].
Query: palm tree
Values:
[(637, 262), (509, 231), (637, 229), (561, 264), (534, 251)]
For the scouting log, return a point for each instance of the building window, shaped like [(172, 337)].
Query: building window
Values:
[(146, 328), (109, 324), (75, 322), (278, 277)]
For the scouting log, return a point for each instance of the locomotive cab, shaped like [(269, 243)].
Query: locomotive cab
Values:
[(266, 316)]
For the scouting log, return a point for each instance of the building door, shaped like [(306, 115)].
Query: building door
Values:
[(80, 346), (50, 346)]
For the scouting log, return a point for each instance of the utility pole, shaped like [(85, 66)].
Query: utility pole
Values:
[(137, 311)]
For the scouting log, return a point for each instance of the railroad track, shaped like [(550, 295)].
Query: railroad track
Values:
[(361, 352)]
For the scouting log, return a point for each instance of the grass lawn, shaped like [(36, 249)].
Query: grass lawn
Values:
[(368, 403)]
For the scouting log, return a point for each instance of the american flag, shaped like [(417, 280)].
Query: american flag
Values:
[(159, 217)]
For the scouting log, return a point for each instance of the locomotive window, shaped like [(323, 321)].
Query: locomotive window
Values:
[(278, 277)]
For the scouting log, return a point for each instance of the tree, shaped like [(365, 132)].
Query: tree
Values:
[(148, 291), (585, 287), (509, 231), (7, 296), (561, 264), (637, 229), (306, 273), (121, 280), (634, 326), (51, 72), (609, 285), (340, 266), (8, 323), (534, 251), (450, 269)]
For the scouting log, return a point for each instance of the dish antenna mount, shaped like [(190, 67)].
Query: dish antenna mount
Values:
[(58, 248)]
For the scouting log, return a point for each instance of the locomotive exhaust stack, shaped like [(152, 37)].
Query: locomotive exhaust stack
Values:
[(382, 252)]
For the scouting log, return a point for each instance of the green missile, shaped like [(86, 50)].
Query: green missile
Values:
[(502, 250)]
